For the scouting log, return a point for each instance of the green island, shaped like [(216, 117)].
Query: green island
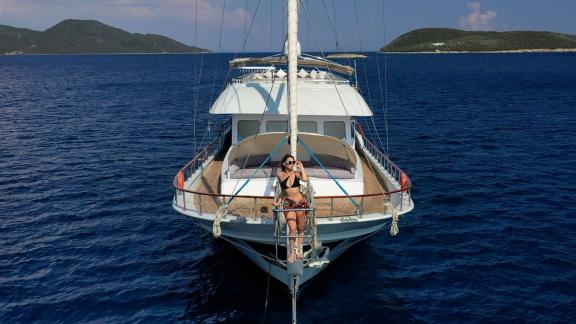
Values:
[(446, 40), (86, 37)]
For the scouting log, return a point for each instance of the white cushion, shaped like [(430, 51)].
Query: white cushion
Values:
[(313, 74), (281, 74)]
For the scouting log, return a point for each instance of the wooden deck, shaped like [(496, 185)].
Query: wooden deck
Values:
[(209, 182)]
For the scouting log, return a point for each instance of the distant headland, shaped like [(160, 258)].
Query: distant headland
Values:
[(446, 40), (86, 37), (346, 55)]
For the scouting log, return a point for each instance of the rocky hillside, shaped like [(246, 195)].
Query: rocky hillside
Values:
[(83, 37), (454, 40)]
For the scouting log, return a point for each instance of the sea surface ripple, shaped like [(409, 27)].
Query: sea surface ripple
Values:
[(89, 146)]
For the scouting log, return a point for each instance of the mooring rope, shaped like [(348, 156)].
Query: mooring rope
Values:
[(394, 226), (216, 228)]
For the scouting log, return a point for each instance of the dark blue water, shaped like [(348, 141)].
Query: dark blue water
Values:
[(89, 146)]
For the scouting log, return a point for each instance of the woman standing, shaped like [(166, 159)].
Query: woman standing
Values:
[(289, 177)]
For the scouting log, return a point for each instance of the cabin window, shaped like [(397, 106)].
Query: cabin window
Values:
[(277, 126), (307, 127), (247, 128), (335, 128)]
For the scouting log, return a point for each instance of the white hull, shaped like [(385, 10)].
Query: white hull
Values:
[(340, 232), (279, 272), (261, 230), (354, 189)]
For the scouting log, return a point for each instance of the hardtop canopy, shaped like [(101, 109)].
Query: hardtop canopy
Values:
[(270, 99)]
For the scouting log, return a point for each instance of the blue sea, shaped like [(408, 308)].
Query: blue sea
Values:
[(89, 146)]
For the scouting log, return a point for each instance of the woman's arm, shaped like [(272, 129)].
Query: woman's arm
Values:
[(303, 174)]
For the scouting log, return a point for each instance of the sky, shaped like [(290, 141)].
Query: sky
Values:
[(327, 25)]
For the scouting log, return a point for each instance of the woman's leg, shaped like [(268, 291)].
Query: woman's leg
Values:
[(300, 222), (291, 221)]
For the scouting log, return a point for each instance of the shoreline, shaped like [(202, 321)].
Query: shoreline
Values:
[(345, 55), (103, 54), (557, 50)]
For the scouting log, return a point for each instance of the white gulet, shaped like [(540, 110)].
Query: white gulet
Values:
[(228, 188)]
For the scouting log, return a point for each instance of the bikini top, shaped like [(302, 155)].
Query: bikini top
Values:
[(284, 183)]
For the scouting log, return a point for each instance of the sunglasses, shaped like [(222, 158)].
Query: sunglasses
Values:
[(290, 162)]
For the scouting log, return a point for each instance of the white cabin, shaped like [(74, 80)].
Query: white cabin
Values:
[(257, 102)]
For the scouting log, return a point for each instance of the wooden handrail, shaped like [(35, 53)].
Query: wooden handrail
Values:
[(357, 126), (386, 193), (204, 154), (216, 142)]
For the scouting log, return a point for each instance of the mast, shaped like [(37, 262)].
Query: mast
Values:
[(292, 73)]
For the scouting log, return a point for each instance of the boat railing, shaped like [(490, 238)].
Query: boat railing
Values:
[(263, 76), (282, 235), (245, 206), (260, 206), (391, 168), (201, 157)]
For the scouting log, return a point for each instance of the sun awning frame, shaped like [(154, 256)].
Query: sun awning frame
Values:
[(303, 61)]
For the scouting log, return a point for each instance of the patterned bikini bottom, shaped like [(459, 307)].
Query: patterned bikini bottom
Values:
[(290, 204)]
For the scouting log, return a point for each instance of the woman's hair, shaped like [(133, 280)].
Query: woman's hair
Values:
[(284, 160)]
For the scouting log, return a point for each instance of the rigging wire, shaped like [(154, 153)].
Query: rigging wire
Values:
[(332, 21), (222, 24), (336, 36), (383, 97), (268, 98), (283, 15), (219, 50), (197, 76), (230, 69), (324, 57), (334, 81), (319, 46), (243, 43), (254, 138), (386, 112), (195, 79), (236, 53), (357, 21), (245, 17), (267, 291), (269, 94), (334, 15), (271, 24)]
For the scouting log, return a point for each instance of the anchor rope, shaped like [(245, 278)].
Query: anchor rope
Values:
[(312, 217), (216, 228), (394, 226)]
